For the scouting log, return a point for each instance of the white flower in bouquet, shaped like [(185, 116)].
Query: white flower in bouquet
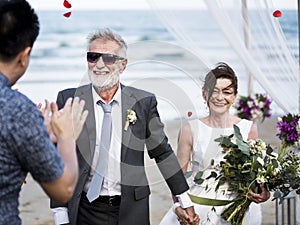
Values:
[(251, 143), (261, 145), (250, 104), (256, 146), (276, 171), (256, 114), (261, 161), (261, 105), (261, 180)]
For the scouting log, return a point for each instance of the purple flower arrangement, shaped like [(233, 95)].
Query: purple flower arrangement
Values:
[(255, 109), (288, 127)]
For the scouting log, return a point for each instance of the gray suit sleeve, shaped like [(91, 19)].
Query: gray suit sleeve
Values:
[(159, 149)]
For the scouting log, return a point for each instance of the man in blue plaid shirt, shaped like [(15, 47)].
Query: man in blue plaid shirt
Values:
[(25, 145)]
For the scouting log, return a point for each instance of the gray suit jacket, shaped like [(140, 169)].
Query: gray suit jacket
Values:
[(148, 130)]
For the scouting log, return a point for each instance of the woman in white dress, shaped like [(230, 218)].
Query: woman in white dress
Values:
[(196, 142)]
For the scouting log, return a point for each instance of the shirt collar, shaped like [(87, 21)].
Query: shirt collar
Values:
[(116, 98), (4, 81)]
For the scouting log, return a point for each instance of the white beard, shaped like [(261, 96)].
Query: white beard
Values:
[(103, 83)]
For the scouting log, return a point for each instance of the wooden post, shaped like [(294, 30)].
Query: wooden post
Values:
[(246, 41), (299, 56)]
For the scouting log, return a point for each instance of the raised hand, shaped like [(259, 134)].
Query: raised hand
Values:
[(47, 119), (69, 120)]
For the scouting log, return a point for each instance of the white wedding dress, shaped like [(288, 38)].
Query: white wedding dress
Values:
[(205, 149)]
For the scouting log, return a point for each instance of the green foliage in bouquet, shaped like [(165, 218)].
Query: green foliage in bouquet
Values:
[(247, 164)]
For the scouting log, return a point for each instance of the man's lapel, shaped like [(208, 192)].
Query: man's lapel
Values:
[(85, 93), (128, 101)]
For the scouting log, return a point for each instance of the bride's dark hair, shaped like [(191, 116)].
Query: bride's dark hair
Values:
[(222, 70)]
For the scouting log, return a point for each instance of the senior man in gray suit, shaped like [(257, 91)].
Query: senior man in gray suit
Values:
[(112, 188)]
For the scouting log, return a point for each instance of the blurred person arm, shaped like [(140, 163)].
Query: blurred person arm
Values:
[(185, 146), (60, 214), (66, 124), (60, 210), (185, 210), (253, 133), (168, 164)]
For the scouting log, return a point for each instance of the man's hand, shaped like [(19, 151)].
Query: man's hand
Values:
[(193, 217), (47, 119), (187, 216), (69, 120)]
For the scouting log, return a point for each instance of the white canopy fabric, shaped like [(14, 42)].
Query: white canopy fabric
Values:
[(216, 30)]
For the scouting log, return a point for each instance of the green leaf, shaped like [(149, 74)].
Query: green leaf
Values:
[(188, 174), (275, 163), (199, 175), (198, 178), (199, 181), (269, 150), (242, 145), (212, 175), (195, 163), (276, 194), (237, 133), (225, 140)]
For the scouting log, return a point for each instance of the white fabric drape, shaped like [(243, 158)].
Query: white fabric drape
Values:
[(267, 57)]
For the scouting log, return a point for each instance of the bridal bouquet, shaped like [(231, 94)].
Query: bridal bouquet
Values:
[(247, 164), (257, 108)]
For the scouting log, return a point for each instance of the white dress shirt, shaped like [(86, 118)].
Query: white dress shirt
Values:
[(111, 183)]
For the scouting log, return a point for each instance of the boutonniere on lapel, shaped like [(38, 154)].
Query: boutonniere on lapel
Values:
[(130, 118)]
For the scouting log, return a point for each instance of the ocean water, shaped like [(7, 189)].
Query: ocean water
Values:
[(157, 62)]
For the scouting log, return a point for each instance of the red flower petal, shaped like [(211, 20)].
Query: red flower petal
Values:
[(277, 13), (67, 4), (67, 15), (189, 114)]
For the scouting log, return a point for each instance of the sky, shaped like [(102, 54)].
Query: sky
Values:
[(134, 4)]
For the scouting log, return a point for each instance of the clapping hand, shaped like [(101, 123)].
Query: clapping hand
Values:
[(187, 216), (47, 119), (65, 122), (70, 119)]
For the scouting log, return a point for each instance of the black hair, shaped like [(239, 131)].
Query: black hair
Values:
[(222, 70), (19, 28)]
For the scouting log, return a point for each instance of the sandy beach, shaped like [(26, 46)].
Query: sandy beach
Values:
[(34, 204)]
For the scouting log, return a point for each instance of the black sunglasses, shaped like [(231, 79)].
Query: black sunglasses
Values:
[(108, 59)]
